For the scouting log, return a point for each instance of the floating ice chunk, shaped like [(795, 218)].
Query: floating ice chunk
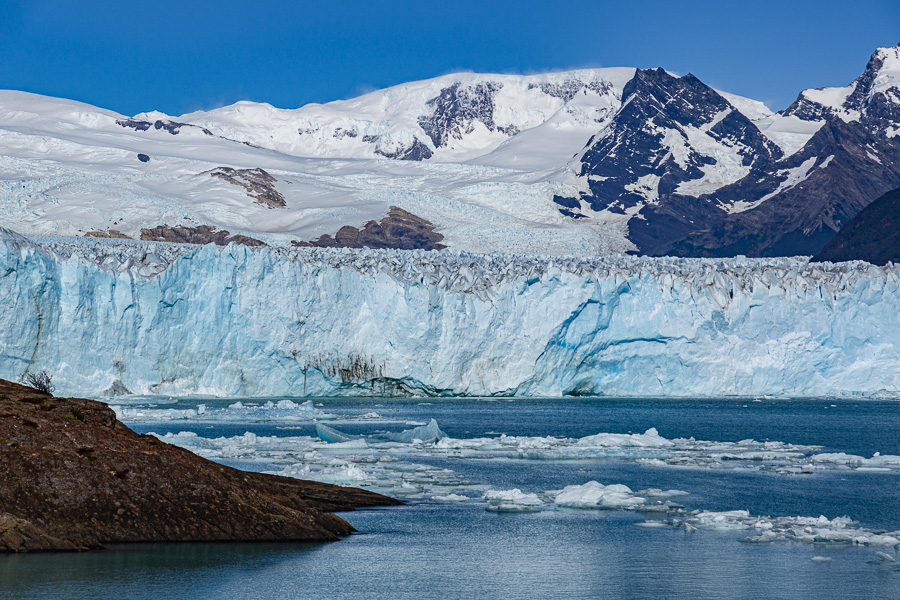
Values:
[(426, 433), (821, 559), (729, 520), (332, 435), (658, 493), (512, 501), (878, 462), (652, 524), (507, 507), (357, 444), (450, 498), (596, 495), (885, 557), (349, 473), (513, 496), (649, 439)]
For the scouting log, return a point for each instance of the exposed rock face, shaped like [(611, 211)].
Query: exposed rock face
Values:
[(567, 90), (400, 229), (169, 126), (202, 234), (873, 235), (456, 110), (258, 183), (72, 477), (109, 234), (416, 151)]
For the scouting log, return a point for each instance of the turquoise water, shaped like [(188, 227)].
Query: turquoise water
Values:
[(435, 549)]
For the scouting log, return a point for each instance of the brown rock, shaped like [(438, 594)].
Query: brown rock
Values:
[(73, 477), (258, 183), (202, 234), (112, 233), (400, 229)]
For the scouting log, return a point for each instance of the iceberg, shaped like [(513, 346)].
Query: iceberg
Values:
[(332, 435), (596, 495), (425, 434), (167, 319)]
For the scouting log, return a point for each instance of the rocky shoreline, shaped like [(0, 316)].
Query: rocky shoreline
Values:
[(73, 477)]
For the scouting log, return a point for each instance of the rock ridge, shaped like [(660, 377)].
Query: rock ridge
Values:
[(73, 477)]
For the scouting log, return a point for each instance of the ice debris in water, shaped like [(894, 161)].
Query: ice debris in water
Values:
[(283, 410), (382, 465), (651, 449), (591, 495), (512, 501), (355, 462), (813, 530)]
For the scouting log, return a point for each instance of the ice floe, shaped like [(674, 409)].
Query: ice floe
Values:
[(763, 529), (387, 463), (279, 411)]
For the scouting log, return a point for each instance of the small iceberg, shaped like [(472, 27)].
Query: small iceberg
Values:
[(425, 434), (333, 436)]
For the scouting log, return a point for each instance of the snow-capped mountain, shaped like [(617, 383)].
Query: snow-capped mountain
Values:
[(594, 161), (851, 158)]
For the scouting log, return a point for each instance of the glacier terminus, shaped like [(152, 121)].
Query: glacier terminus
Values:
[(132, 317)]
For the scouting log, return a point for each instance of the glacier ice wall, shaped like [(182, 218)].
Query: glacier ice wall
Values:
[(169, 319)]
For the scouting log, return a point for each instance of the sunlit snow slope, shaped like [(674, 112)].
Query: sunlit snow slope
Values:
[(159, 318), (480, 156), (587, 162)]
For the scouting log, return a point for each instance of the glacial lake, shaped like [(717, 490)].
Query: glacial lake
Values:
[(493, 510)]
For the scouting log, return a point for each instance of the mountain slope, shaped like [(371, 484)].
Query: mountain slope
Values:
[(587, 162), (873, 235)]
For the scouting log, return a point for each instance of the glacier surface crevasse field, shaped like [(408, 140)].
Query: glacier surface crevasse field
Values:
[(156, 318)]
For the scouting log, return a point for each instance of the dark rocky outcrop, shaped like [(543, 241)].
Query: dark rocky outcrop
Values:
[(170, 126), (202, 234), (72, 477), (569, 88), (873, 235), (400, 229), (456, 110), (258, 183), (416, 151), (109, 234)]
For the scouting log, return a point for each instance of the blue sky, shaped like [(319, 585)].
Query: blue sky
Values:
[(199, 54)]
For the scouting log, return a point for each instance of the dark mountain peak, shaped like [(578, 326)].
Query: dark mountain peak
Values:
[(668, 136), (871, 99)]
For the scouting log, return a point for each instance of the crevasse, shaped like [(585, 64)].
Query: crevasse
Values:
[(154, 318)]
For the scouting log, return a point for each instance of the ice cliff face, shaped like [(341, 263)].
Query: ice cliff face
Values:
[(161, 318)]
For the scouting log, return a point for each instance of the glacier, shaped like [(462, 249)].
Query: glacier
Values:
[(156, 318)]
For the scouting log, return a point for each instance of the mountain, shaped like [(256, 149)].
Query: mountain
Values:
[(587, 162), (873, 235), (852, 158)]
